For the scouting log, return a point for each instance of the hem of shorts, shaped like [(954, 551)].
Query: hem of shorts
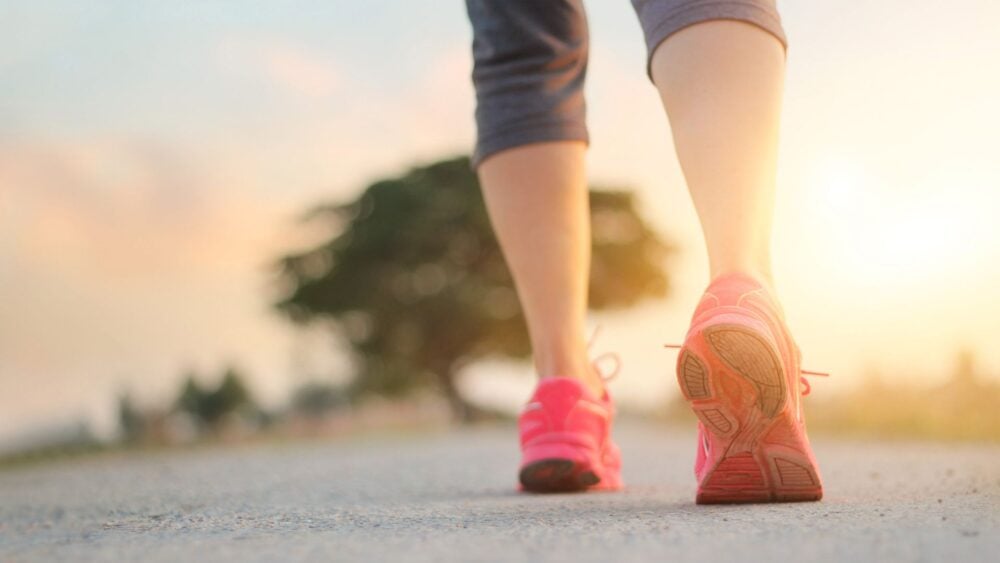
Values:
[(515, 137), (723, 10)]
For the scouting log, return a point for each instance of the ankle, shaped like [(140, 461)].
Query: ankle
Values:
[(581, 370), (566, 354), (762, 275)]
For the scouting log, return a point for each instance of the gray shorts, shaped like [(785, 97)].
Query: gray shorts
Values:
[(531, 59)]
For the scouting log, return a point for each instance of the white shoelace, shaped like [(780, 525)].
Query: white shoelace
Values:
[(596, 361)]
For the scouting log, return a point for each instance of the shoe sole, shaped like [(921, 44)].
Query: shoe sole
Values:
[(557, 475), (561, 462), (735, 383)]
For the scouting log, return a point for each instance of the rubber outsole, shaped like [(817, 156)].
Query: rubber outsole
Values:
[(556, 475), (734, 382)]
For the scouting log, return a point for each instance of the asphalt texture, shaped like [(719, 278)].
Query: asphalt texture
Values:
[(450, 496)]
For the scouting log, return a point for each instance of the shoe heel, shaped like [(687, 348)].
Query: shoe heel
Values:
[(735, 479), (762, 462), (553, 466), (766, 475)]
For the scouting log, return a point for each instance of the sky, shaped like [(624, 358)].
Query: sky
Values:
[(155, 158)]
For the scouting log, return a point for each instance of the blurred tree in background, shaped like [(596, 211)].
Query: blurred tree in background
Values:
[(415, 281), (130, 420), (209, 406), (316, 398)]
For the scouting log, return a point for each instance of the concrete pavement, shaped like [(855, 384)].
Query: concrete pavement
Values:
[(450, 497)]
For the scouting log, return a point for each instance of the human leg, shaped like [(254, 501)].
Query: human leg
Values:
[(530, 64), (721, 84), (719, 68)]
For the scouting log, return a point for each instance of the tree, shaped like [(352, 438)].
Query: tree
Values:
[(231, 396), (316, 398), (208, 407), (130, 420), (415, 281), (191, 399)]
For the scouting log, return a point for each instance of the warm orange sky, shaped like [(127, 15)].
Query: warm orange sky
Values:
[(152, 161)]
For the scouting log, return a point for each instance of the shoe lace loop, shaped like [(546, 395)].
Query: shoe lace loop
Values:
[(805, 382), (806, 388), (597, 360)]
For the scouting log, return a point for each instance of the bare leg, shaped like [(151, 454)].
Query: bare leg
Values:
[(721, 83), (537, 198)]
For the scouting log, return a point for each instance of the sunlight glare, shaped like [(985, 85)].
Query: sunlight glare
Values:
[(884, 235)]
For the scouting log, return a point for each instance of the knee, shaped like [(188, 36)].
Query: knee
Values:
[(530, 65), (661, 18)]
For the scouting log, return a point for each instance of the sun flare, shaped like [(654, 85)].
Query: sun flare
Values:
[(882, 234)]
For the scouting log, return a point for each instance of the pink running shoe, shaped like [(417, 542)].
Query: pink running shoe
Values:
[(739, 370), (566, 438)]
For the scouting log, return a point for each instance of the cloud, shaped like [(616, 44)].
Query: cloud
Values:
[(298, 71), (116, 208), (287, 66), (122, 259)]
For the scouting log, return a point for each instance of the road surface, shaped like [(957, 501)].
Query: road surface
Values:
[(449, 496)]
